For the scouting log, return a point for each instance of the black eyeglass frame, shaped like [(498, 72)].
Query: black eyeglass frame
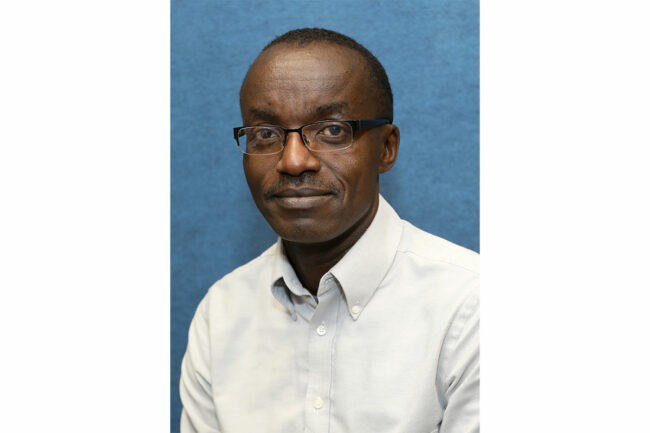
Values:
[(357, 125)]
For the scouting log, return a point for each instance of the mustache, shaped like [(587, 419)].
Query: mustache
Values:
[(305, 180)]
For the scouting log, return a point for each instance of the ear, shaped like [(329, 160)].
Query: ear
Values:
[(390, 148)]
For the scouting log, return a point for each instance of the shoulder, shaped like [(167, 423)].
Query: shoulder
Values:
[(240, 285), (426, 247), (434, 273), (252, 269)]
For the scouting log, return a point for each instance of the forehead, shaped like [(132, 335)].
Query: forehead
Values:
[(298, 84)]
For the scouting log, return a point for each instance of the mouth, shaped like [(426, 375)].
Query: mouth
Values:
[(301, 198), (301, 193)]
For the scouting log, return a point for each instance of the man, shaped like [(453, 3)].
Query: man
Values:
[(354, 321)]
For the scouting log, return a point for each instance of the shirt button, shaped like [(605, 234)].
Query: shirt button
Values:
[(318, 403), (356, 309), (322, 329)]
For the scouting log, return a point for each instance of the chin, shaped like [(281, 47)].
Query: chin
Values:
[(304, 233)]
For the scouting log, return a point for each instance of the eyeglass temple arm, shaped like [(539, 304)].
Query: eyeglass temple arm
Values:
[(366, 124)]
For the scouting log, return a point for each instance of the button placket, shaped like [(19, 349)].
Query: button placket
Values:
[(323, 330)]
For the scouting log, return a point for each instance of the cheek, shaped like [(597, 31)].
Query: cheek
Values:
[(359, 177), (256, 172)]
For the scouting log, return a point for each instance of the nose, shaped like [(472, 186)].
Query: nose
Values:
[(296, 158)]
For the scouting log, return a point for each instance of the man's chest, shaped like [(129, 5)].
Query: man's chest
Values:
[(325, 371)]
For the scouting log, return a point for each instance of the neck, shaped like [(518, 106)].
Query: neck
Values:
[(311, 261)]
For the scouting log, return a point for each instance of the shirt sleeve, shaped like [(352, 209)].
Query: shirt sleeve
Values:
[(459, 371), (199, 414)]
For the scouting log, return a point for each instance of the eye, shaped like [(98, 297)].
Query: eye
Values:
[(266, 133), (333, 130), (331, 133)]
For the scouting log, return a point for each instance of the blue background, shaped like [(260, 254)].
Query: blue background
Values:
[(430, 50)]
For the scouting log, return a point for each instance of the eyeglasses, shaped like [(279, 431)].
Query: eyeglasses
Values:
[(321, 136)]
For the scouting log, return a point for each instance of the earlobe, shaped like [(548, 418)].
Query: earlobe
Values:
[(390, 148)]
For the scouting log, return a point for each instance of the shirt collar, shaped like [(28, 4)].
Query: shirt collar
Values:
[(365, 265), (285, 280), (359, 273)]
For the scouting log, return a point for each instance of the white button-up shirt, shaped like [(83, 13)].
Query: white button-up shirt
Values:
[(390, 343)]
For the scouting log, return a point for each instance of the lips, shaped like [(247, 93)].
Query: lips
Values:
[(301, 192), (301, 199)]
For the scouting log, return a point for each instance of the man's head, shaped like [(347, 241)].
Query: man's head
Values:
[(376, 72), (306, 76)]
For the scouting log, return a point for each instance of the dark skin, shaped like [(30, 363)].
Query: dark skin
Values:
[(319, 203)]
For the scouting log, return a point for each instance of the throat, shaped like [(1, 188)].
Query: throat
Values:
[(310, 265)]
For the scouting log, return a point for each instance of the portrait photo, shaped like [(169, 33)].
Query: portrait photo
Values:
[(430, 53)]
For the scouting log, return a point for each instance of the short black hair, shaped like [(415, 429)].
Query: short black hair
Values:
[(306, 36)]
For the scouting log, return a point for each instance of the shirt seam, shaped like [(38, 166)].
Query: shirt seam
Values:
[(470, 309), (465, 312)]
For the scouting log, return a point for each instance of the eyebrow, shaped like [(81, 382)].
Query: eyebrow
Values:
[(332, 108), (322, 111), (263, 114)]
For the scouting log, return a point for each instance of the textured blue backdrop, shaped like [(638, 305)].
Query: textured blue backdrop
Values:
[(430, 49)]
